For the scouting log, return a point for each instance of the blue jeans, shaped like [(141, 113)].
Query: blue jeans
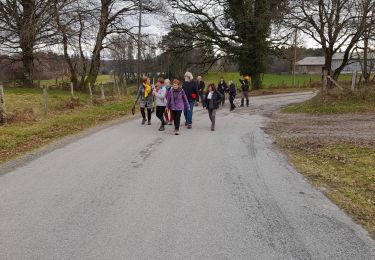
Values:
[(189, 113)]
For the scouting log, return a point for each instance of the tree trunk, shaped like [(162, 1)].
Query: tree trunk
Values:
[(27, 41), (366, 74), (256, 80), (28, 65), (102, 33), (73, 75), (328, 68)]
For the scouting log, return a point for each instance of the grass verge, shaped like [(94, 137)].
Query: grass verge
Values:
[(30, 130), (336, 102), (345, 172)]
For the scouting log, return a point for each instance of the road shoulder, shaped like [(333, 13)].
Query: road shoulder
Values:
[(337, 155)]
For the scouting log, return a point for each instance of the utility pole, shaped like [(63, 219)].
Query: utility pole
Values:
[(294, 57), (139, 44)]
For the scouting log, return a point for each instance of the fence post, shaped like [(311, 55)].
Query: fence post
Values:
[(125, 87), (45, 94), (90, 91), (118, 89), (102, 91), (354, 79), (71, 89), (325, 81), (3, 116)]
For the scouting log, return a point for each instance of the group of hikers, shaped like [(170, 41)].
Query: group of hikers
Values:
[(172, 99)]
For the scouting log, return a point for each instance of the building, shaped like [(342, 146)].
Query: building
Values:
[(314, 65)]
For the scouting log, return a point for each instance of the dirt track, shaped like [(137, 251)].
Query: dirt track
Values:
[(353, 128)]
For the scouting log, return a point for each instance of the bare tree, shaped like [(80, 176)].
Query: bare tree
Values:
[(25, 26), (336, 25), (93, 23)]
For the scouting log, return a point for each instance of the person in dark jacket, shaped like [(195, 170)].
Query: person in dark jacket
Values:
[(245, 87), (232, 95), (201, 87), (177, 102), (213, 100), (222, 87), (191, 90)]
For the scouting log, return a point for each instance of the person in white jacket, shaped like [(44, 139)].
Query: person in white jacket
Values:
[(160, 94)]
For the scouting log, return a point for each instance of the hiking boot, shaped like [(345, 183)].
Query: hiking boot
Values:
[(161, 128), (212, 129), (143, 121), (189, 126), (176, 132), (149, 122)]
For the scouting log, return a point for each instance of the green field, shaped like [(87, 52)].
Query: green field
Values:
[(66, 80), (270, 80)]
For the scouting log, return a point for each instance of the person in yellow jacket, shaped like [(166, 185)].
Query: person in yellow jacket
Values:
[(245, 87), (146, 100)]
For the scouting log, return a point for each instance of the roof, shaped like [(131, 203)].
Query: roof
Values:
[(320, 60), (311, 61)]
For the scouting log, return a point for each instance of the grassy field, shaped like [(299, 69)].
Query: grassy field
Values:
[(53, 82), (271, 80), (345, 172), (29, 129)]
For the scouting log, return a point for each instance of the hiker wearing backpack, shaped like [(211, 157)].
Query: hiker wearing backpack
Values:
[(177, 102), (161, 101), (213, 101), (146, 98), (191, 90)]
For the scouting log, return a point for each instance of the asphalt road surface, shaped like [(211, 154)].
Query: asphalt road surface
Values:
[(131, 192)]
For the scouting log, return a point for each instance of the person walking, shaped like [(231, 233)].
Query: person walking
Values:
[(191, 91), (177, 102), (144, 94), (222, 88), (245, 87), (161, 101), (213, 100), (232, 94), (168, 113), (201, 88)]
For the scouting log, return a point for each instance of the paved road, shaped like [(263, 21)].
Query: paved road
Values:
[(130, 192)]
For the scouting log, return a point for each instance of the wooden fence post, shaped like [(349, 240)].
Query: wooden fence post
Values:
[(102, 91), (354, 80), (71, 89), (325, 81), (3, 115), (45, 94), (125, 87), (90, 91), (118, 89), (335, 83)]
